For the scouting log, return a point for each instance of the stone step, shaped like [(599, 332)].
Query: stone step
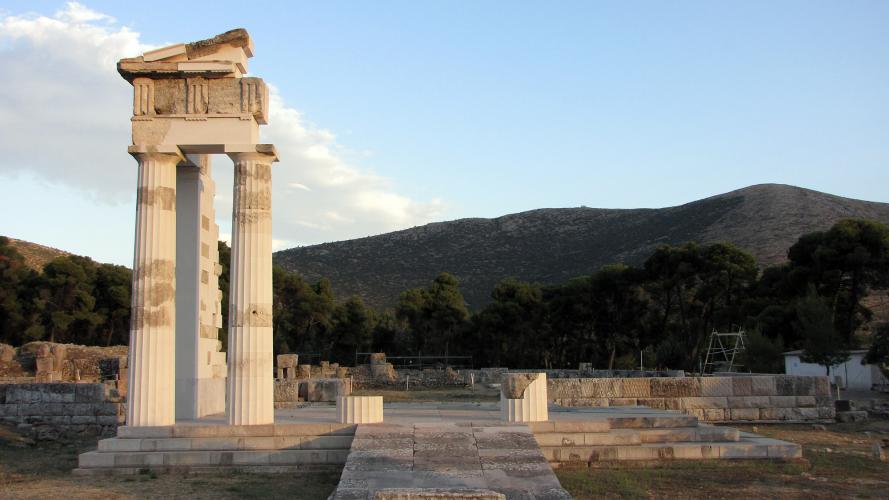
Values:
[(217, 430), (215, 470), (108, 460), (674, 421), (637, 436), (658, 422), (326, 442), (677, 451)]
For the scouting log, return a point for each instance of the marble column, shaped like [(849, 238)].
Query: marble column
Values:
[(250, 367), (152, 356)]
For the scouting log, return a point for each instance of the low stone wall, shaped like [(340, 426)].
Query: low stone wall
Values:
[(290, 392), (62, 411), (493, 375), (429, 378), (711, 399)]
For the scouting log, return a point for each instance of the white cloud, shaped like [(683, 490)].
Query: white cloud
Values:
[(76, 13), (63, 111), (64, 118)]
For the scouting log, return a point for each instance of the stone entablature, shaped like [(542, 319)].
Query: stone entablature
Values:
[(241, 98), (195, 96), (711, 399)]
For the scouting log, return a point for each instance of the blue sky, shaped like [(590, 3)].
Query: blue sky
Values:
[(464, 109)]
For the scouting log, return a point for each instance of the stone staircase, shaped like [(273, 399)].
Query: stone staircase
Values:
[(661, 437), (201, 448)]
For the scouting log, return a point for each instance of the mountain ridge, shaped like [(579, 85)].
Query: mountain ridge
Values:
[(552, 245)]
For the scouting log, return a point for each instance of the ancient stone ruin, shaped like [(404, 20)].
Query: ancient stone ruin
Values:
[(191, 101)]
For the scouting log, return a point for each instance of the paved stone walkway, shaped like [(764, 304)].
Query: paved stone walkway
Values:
[(448, 455)]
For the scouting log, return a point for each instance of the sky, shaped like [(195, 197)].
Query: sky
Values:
[(388, 115)]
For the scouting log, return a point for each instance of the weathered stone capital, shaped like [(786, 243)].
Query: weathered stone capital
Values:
[(263, 153), (157, 153)]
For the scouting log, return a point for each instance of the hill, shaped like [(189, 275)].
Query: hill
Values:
[(555, 244), (36, 256)]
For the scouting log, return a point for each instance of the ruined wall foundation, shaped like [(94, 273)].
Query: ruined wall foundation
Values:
[(62, 411), (711, 399)]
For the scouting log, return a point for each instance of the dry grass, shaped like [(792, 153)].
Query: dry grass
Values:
[(837, 463)]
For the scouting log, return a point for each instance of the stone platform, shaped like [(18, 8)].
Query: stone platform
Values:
[(638, 433), (211, 447), (447, 456), (432, 447)]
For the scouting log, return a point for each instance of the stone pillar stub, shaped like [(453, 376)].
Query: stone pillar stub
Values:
[(152, 355), (523, 397), (250, 363)]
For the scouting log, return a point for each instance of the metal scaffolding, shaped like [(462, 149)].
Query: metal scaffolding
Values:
[(723, 351)]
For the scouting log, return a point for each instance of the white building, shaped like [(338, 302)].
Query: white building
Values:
[(853, 373)]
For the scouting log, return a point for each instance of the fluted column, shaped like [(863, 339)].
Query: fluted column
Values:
[(250, 375), (152, 356)]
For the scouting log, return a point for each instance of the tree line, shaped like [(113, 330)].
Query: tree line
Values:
[(71, 300), (662, 311)]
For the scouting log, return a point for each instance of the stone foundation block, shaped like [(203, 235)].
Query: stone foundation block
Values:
[(827, 412), (744, 413), (851, 416), (804, 386), (701, 402), (695, 412), (588, 402), (822, 387), (748, 402), (655, 403), (89, 393), (742, 386), (776, 414), (716, 386), (714, 414), (805, 401), (763, 385), (805, 413), (742, 451), (599, 388), (676, 387), (782, 401), (287, 360), (95, 459), (673, 403), (298, 457), (58, 393), (635, 387), (785, 385), (286, 391), (623, 402), (824, 401), (24, 393)]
